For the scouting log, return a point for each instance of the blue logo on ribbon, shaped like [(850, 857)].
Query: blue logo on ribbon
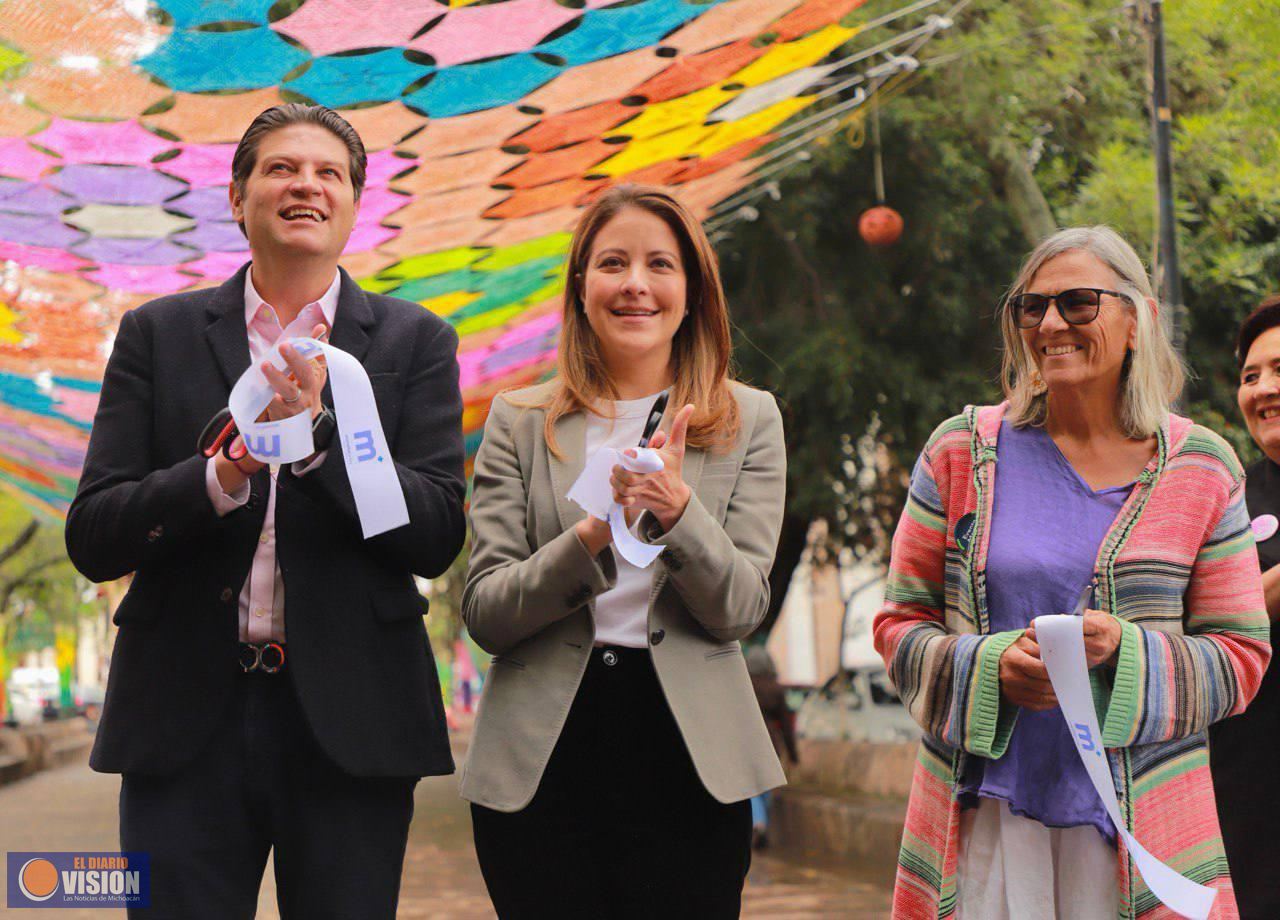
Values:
[(363, 447), (258, 446), (1086, 738)]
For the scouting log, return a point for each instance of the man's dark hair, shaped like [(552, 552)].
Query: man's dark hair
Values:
[(281, 116), (1266, 316)]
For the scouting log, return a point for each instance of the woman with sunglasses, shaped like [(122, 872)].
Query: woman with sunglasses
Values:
[(1082, 492), (1245, 749), (619, 741)]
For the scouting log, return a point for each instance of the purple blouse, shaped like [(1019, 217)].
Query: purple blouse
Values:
[(1046, 528)]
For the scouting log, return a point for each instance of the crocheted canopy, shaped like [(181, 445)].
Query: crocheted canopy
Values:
[(489, 126)]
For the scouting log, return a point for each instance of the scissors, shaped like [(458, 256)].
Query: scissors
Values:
[(220, 435)]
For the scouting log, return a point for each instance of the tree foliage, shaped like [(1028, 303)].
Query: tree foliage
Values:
[(38, 586), (1026, 109)]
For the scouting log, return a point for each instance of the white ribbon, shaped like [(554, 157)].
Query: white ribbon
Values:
[(374, 484), (594, 494), (1061, 640)]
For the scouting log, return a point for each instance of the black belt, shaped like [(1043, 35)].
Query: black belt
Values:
[(262, 657)]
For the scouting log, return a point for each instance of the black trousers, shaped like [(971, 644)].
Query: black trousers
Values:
[(621, 826), (263, 782)]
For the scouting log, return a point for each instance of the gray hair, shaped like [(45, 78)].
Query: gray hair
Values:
[(1153, 373)]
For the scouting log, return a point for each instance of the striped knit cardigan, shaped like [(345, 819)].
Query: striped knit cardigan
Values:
[(1178, 567)]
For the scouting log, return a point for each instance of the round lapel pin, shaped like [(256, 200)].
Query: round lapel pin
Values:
[(964, 532)]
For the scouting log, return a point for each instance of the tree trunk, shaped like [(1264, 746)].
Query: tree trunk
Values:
[(18, 542), (1022, 192)]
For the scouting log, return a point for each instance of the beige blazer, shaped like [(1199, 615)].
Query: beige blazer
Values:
[(531, 585)]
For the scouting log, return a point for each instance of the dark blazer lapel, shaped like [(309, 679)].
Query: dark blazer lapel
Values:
[(351, 324), (227, 335), (229, 340), (571, 431), (353, 319)]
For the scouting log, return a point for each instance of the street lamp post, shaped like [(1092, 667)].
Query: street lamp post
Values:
[(1162, 130)]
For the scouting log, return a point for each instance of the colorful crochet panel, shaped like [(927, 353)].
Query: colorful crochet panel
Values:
[(489, 126)]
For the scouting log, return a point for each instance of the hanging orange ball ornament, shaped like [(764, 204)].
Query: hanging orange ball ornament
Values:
[(880, 226)]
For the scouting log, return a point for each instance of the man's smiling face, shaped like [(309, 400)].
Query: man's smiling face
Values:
[(298, 200)]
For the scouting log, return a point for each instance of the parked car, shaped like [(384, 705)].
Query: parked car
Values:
[(30, 692)]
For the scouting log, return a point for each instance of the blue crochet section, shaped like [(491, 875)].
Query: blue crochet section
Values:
[(617, 30), (196, 62), (339, 80), (189, 13), (483, 85)]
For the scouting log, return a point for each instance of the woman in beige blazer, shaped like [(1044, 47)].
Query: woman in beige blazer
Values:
[(619, 741)]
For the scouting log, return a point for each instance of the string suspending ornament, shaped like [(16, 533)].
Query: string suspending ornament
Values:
[(880, 226)]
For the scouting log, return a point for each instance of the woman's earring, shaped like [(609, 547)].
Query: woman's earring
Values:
[(1038, 385)]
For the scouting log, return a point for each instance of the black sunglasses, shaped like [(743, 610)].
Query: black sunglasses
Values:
[(1077, 306)]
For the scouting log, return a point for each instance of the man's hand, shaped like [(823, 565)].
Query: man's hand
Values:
[(300, 389), (1024, 680), (234, 474)]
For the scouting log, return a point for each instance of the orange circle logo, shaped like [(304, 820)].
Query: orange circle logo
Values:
[(38, 879)]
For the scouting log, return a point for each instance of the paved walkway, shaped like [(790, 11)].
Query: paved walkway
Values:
[(73, 808)]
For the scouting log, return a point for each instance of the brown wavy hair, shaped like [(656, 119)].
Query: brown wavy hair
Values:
[(700, 350), (245, 157)]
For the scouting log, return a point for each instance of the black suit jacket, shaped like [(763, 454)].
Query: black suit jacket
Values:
[(358, 650)]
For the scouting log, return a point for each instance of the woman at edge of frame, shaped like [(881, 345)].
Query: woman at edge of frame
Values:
[(1243, 750), (1082, 479), (618, 741)]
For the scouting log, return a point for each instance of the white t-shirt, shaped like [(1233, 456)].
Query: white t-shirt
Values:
[(622, 614)]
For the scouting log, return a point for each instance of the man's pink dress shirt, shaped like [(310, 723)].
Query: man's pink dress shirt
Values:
[(262, 597)]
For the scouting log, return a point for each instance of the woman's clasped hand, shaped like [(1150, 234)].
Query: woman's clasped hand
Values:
[(663, 493), (1024, 681)]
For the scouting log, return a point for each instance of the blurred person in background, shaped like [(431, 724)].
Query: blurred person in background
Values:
[(1101, 501), (1246, 748), (780, 721)]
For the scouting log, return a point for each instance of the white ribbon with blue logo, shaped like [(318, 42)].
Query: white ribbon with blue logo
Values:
[(594, 494), (1061, 640), (375, 486)]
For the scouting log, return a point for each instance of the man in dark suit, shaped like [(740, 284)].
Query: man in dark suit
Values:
[(272, 685)]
